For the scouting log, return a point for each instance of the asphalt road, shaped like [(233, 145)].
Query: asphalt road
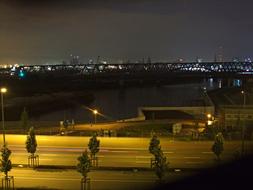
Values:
[(122, 152), (100, 180)]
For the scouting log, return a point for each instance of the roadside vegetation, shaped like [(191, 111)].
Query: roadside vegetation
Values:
[(31, 147), (145, 130)]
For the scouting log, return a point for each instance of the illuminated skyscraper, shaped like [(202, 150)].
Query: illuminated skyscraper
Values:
[(219, 57)]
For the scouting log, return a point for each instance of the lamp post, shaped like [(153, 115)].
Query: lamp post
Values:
[(95, 112), (209, 119), (3, 90), (243, 127)]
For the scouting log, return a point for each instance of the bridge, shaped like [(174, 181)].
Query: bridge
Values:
[(203, 68)]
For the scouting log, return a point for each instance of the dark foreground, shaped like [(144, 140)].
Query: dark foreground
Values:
[(236, 175)]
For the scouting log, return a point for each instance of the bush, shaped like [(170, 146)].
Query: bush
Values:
[(144, 130)]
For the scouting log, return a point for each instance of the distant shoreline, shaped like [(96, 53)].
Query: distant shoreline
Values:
[(37, 105)]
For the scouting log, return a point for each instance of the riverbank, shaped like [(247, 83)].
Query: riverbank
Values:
[(40, 104)]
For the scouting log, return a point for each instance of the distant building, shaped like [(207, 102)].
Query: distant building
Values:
[(219, 57), (179, 60), (236, 59), (199, 60), (247, 60), (235, 116), (149, 60), (75, 60)]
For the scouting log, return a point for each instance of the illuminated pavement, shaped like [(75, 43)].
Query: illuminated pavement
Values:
[(100, 180), (121, 152)]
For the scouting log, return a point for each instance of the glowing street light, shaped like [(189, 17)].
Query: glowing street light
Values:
[(95, 112), (243, 127), (3, 90), (209, 116), (209, 119), (244, 97)]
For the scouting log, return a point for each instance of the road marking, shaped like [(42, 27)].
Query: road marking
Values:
[(56, 155), (104, 150), (119, 156), (126, 181), (46, 159), (118, 151), (46, 178), (192, 157), (142, 157), (194, 162), (207, 152), (123, 148), (78, 179), (20, 153), (142, 162)]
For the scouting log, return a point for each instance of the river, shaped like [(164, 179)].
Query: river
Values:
[(115, 104)]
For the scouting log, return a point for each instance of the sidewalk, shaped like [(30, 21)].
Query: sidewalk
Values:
[(69, 179)]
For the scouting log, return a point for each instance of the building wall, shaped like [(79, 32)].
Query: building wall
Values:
[(235, 116), (197, 112)]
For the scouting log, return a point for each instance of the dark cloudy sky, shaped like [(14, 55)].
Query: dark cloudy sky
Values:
[(40, 31)]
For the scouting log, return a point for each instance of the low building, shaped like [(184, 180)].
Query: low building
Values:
[(233, 117), (183, 113)]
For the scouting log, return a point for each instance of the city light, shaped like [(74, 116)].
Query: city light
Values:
[(3, 90), (95, 112), (21, 74), (126, 94)]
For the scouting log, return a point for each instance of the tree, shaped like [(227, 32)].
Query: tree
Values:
[(94, 145), (31, 146), (31, 143), (154, 145), (84, 164), (161, 164), (217, 147), (24, 120), (5, 162)]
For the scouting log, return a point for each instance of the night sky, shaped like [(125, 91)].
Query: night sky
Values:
[(48, 31)]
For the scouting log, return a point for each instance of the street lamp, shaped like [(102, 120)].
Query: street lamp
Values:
[(209, 119), (3, 90), (95, 112), (243, 127)]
